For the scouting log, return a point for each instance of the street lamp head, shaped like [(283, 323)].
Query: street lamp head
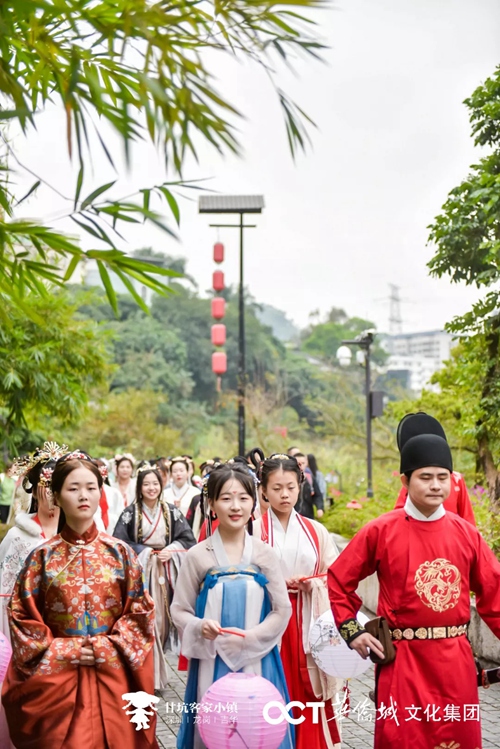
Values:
[(367, 336), (344, 356)]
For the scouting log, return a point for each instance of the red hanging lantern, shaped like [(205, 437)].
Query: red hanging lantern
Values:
[(218, 280), (219, 363), (218, 307), (218, 335), (218, 252)]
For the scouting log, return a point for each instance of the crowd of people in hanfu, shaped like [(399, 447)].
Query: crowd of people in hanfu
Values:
[(108, 565)]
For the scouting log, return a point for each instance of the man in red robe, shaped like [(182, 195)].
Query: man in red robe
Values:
[(458, 499), (427, 560)]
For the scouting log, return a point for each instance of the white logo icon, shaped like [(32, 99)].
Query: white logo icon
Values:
[(140, 701), (285, 712)]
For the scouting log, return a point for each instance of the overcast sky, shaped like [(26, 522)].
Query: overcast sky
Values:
[(350, 217)]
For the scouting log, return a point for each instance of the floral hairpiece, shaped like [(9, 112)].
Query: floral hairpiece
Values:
[(75, 455), (179, 459), (231, 463), (103, 470), (124, 456), (281, 456), (147, 467), (46, 475), (50, 451)]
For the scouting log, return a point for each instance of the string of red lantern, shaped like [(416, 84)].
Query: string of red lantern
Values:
[(218, 307)]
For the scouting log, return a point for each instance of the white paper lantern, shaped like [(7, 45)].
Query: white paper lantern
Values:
[(330, 651)]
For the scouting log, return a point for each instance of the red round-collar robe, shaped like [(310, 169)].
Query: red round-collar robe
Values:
[(428, 697)]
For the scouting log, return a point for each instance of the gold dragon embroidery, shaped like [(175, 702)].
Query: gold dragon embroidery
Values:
[(438, 584)]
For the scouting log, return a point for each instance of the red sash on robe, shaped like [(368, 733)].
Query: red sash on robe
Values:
[(308, 735), (103, 504)]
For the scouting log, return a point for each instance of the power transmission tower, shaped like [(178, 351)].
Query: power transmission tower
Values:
[(395, 321)]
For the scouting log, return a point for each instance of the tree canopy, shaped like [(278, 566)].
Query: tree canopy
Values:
[(46, 370), (467, 238)]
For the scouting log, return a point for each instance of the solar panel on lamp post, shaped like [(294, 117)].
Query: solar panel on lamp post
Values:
[(236, 204)]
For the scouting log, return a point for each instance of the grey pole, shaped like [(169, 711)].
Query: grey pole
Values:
[(369, 490), (239, 204), (241, 353)]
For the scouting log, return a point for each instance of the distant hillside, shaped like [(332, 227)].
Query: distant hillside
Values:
[(283, 328)]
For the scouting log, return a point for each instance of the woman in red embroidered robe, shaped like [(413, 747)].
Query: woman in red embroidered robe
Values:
[(304, 548), (81, 629)]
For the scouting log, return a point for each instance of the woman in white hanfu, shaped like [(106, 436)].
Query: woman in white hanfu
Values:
[(29, 531), (303, 549), (183, 495), (123, 481), (160, 535), (230, 580)]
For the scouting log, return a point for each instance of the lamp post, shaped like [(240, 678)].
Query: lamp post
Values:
[(236, 204), (364, 342)]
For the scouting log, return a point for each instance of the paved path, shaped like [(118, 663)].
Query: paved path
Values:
[(357, 729)]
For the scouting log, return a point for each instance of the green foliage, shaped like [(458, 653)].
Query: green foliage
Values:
[(324, 339), (467, 232), (125, 421), (46, 369), (171, 350), (347, 522), (487, 516), (150, 356), (140, 67), (467, 235)]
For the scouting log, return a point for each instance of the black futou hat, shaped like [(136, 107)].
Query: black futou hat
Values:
[(412, 425), (425, 450)]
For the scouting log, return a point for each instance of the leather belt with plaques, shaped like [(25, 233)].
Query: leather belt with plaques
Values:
[(429, 633)]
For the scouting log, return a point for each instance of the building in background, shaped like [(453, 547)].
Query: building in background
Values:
[(414, 357)]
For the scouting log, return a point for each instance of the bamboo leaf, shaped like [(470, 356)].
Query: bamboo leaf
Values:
[(71, 268), (95, 194), (174, 206), (133, 292), (79, 183), (32, 189), (108, 286)]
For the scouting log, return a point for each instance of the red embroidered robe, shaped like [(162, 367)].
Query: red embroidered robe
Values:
[(67, 591), (425, 570)]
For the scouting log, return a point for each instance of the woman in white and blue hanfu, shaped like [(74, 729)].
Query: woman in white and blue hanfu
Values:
[(230, 580)]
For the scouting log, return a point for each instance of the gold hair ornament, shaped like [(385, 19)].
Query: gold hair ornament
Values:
[(50, 451)]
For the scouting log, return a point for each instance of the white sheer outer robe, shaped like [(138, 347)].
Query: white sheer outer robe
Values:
[(18, 542), (261, 637), (298, 557), (181, 498), (129, 495), (25, 536), (160, 576), (116, 505)]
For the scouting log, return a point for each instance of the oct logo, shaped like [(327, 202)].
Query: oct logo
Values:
[(285, 712)]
